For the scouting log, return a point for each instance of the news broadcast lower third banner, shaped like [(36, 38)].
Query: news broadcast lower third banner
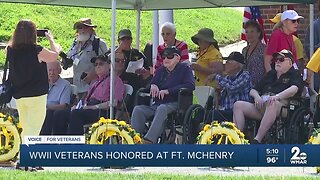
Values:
[(169, 155)]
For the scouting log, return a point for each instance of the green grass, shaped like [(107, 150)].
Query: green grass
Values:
[(225, 22), (22, 175)]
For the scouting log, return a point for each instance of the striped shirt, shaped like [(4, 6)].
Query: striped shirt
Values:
[(182, 46)]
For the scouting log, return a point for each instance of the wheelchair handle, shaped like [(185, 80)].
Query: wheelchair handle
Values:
[(143, 94)]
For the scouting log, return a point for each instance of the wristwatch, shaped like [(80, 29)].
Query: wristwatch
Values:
[(278, 96)]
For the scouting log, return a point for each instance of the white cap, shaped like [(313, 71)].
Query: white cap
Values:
[(290, 14)]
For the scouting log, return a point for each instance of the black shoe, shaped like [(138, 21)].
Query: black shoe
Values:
[(254, 141)]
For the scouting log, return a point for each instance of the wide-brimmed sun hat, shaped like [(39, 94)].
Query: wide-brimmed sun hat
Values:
[(204, 34), (83, 22)]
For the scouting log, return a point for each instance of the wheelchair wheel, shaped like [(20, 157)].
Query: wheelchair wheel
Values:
[(192, 118), (298, 130)]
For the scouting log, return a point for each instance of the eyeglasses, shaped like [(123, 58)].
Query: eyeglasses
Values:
[(99, 64), (169, 56), (295, 21), (120, 60)]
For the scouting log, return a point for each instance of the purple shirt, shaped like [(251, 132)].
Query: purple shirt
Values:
[(180, 77), (101, 90)]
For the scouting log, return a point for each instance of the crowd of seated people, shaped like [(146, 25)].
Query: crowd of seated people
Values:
[(244, 78)]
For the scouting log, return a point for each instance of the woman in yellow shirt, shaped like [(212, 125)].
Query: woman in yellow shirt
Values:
[(208, 59)]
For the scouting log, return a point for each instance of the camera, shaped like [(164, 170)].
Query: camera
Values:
[(65, 60), (42, 32)]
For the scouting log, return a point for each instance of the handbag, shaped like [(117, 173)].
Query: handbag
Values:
[(6, 88)]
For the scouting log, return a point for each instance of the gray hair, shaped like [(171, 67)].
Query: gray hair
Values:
[(169, 25)]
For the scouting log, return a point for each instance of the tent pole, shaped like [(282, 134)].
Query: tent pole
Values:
[(113, 45), (138, 28), (155, 36), (311, 29)]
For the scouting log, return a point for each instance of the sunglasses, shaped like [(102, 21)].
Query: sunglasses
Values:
[(278, 59), (295, 21), (169, 56), (99, 64), (120, 60)]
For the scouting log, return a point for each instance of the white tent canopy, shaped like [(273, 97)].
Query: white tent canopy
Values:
[(160, 5)]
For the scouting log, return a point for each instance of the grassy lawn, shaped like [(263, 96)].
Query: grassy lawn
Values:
[(225, 22), (21, 175)]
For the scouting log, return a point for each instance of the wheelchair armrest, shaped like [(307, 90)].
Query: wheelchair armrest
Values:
[(143, 97), (185, 98)]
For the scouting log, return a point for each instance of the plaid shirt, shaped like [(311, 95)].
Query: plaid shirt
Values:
[(234, 88)]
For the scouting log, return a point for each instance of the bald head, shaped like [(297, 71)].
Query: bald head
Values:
[(54, 70)]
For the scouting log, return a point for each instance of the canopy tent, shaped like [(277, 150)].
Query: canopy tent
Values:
[(161, 5)]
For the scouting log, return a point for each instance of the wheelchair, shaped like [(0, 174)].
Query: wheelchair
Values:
[(180, 122), (291, 127)]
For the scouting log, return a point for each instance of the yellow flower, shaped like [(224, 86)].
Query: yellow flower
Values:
[(19, 126), (137, 138), (122, 123), (10, 118), (102, 120), (2, 115), (130, 129), (206, 127), (95, 125), (311, 139)]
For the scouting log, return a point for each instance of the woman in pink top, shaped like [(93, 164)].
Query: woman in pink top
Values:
[(98, 97), (168, 33), (282, 38)]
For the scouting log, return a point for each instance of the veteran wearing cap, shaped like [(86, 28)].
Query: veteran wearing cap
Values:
[(282, 38), (86, 46), (165, 85), (208, 59), (235, 85), (270, 94)]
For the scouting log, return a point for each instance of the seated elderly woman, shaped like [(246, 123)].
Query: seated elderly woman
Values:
[(168, 33), (208, 59), (165, 86), (97, 100), (270, 94)]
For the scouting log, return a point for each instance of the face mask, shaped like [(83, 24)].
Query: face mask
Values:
[(83, 37)]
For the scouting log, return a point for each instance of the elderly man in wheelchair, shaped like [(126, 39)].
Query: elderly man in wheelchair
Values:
[(270, 94), (165, 86)]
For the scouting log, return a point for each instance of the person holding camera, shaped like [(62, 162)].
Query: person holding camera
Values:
[(28, 75), (86, 46)]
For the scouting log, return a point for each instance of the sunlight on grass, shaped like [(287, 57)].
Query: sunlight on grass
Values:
[(225, 22)]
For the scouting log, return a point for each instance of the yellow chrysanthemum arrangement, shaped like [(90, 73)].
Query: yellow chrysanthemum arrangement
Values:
[(221, 133), (315, 139), (111, 131), (10, 140)]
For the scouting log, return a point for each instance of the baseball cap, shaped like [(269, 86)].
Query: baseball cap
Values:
[(276, 18), (290, 14), (235, 56), (124, 33), (283, 54), (101, 57), (170, 50)]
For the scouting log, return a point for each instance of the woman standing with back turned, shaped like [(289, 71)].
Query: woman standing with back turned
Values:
[(28, 74)]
